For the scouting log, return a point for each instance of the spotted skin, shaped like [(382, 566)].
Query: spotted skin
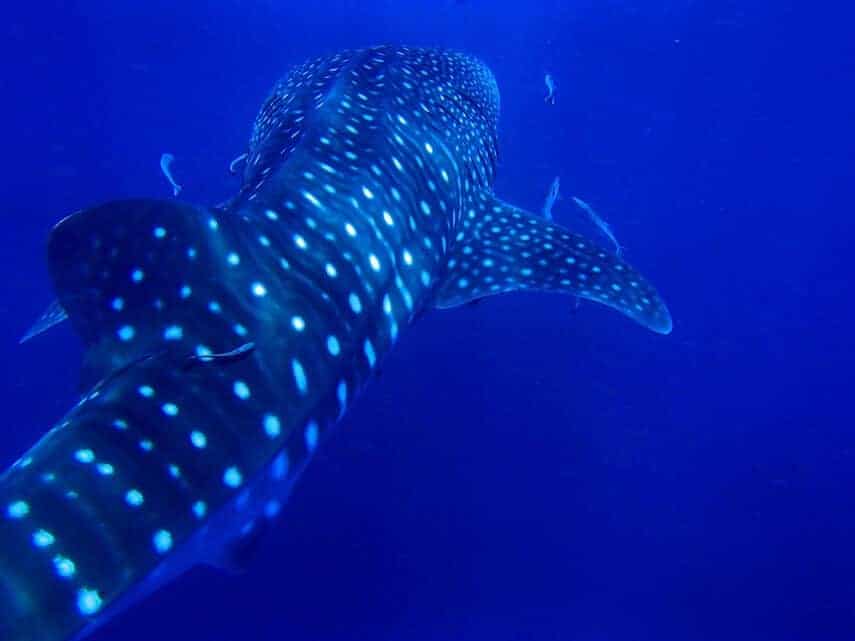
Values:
[(222, 344)]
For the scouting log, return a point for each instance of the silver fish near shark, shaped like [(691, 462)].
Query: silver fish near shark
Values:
[(551, 197), (549, 98), (166, 161), (222, 344)]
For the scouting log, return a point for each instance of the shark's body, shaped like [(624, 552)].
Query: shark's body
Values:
[(222, 344)]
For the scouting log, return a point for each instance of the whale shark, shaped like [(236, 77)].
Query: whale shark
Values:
[(223, 343)]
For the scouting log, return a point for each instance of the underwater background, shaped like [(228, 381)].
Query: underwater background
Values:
[(521, 470)]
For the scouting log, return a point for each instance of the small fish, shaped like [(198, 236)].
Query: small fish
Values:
[(599, 222), (549, 98), (165, 166), (551, 197), (233, 165), (232, 356)]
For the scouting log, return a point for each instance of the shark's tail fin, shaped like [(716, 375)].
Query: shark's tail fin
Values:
[(107, 505), (502, 248), (61, 505)]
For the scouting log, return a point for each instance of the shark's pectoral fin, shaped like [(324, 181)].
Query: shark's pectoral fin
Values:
[(52, 316), (502, 248), (123, 270)]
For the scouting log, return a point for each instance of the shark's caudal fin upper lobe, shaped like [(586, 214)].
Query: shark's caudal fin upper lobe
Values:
[(501, 248)]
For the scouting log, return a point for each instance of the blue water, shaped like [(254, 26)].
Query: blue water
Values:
[(520, 471)]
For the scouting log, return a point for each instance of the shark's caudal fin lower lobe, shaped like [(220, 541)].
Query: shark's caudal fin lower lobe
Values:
[(501, 248)]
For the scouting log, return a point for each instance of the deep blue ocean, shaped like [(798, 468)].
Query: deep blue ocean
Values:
[(521, 470)]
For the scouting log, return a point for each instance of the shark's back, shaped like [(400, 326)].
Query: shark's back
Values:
[(356, 98)]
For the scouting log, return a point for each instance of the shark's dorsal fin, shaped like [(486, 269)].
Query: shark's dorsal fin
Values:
[(123, 270), (502, 248)]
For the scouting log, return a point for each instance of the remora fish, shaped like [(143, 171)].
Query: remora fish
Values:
[(367, 198)]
